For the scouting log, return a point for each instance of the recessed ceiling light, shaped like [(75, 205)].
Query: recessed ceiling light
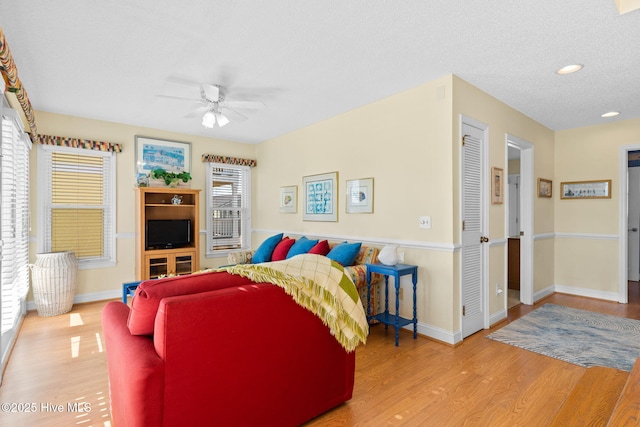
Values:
[(610, 114), (568, 69)]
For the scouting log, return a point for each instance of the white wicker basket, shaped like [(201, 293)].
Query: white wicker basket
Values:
[(54, 282)]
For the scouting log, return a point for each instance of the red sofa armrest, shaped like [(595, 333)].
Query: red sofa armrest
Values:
[(136, 373)]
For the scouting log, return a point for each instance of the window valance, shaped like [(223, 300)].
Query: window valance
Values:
[(79, 143), (214, 158), (14, 85)]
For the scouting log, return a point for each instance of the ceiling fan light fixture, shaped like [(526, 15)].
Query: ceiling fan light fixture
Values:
[(610, 114), (209, 119), (222, 119)]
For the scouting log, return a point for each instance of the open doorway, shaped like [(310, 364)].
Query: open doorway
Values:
[(628, 161), (520, 162), (513, 230), (633, 225)]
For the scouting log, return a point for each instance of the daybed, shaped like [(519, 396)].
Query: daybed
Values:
[(280, 247), (220, 349)]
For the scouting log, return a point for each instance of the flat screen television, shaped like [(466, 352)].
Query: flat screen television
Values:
[(168, 233)]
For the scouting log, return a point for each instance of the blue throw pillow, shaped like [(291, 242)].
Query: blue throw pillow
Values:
[(301, 246), (345, 253), (264, 251)]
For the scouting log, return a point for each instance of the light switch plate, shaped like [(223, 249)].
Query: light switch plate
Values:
[(424, 222)]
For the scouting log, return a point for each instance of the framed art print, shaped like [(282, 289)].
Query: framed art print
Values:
[(360, 196), (320, 197), (586, 189), (151, 153), (497, 196), (289, 199), (544, 187)]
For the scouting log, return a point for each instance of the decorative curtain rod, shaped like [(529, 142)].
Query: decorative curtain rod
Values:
[(78, 143), (214, 158), (14, 85)]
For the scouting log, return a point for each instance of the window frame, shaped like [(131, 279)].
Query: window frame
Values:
[(14, 263), (44, 204), (246, 210)]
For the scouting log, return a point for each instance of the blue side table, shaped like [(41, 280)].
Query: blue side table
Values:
[(129, 289), (395, 320)]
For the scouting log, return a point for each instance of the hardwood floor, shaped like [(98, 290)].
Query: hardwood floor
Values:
[(61, 361), (57, 361)]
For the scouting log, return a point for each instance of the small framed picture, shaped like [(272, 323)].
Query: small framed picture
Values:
[(289, 199), (544, 187), (497, 178), (360, 196)]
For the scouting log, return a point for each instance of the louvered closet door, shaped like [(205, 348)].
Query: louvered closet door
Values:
[(471, 254)]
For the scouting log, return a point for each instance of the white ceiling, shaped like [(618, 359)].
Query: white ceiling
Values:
[(309, 60)]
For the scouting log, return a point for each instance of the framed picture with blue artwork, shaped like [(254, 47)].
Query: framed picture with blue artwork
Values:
[(152, 153), (360, 196), (320, 197)]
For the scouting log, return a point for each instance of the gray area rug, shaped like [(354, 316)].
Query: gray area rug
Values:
[(580, 337)]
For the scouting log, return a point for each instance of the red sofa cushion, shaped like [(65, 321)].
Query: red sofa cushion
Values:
[(321, 248), (282, 249), (149, 293)]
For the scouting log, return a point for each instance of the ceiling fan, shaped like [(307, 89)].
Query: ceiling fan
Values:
[(216, 108)]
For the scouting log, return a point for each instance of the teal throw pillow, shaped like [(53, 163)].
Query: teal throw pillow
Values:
[(264, 251), (345, 253), (301, 246)]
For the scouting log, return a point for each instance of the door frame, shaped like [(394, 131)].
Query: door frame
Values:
[(633, 274), (485, 197), (623, 223), (527, 189)]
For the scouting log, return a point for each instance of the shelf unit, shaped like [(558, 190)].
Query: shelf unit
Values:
[(155, 203)]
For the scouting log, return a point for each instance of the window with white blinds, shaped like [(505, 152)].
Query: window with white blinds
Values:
[(228, 208), (78, 204), (14, 227)]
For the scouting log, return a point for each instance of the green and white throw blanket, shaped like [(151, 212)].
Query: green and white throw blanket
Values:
[(322, 287)]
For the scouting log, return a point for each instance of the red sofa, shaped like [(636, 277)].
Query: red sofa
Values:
[(215, 349)]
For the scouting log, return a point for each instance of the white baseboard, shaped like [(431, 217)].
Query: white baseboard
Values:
[(438, 333), (92, 297), (609, 296), (499, 316), (543, 293), (433, 332)]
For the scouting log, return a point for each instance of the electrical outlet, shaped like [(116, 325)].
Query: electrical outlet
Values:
[(401, 294)]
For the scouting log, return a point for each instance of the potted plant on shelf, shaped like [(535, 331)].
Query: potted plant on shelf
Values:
[(159, 178)]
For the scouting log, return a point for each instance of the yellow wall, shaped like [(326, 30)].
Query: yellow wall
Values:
[(404, 143), (409, 144), (502, 120), (107, 280), (586, 249)]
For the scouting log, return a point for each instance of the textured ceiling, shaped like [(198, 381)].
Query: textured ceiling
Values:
[(309, 60)]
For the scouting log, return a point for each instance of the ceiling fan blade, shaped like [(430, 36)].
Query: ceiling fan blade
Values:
[(222, 119), (179, 98), (197, 112), (247, 105), (210, 92), (233, 115)]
